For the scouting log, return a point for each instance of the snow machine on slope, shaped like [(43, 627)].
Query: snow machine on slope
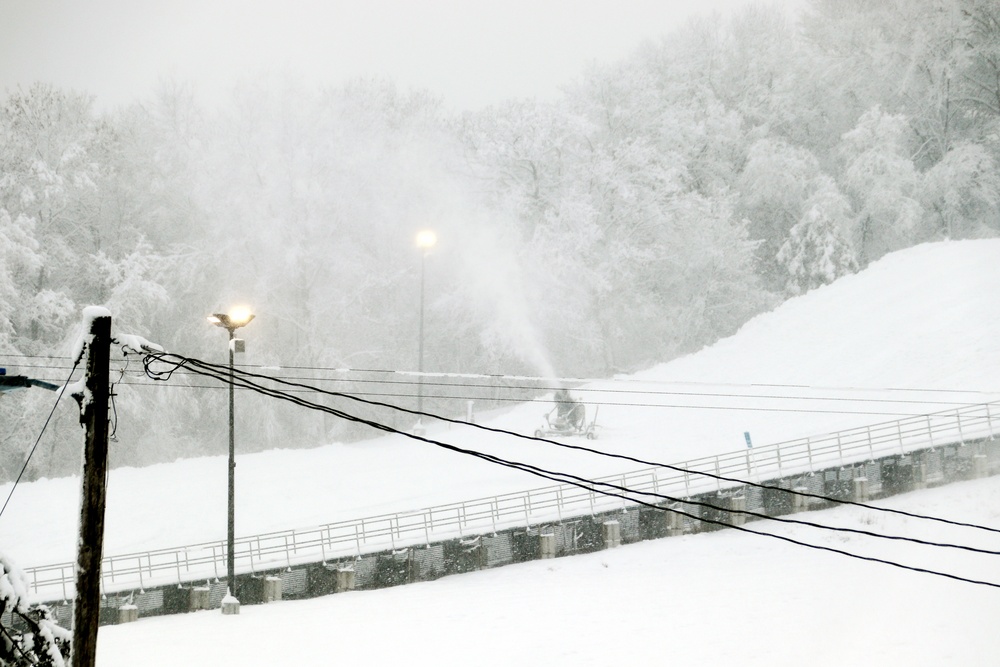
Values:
[(567, 418)]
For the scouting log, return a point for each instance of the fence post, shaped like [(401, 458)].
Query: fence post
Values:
[(958, 418), (930, 431)]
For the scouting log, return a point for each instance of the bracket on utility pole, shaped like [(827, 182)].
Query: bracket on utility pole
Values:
[(94, 417)]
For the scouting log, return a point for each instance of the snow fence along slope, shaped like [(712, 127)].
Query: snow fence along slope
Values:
[(849, 354)]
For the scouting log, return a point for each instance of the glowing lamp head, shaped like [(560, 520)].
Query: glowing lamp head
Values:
[(240, 315), (234, 319), (426, 239)]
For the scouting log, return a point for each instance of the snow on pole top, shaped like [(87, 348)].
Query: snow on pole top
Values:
[(90, 313)]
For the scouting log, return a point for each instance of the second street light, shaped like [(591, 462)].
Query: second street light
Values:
[(236, 318), (425, 241)]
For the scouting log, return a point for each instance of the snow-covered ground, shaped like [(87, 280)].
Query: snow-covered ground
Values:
[(916, 332), (720, 598)]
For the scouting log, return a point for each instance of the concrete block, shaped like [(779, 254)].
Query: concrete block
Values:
[(128, 613), (800, 503), (345, 579), (612, 534), (199, 598), (675, 524), (272, 589), (737, 504), (547, 545), (980, 466), (860, 490)]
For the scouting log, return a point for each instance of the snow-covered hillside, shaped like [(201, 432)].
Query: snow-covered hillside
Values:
[(915, 332)]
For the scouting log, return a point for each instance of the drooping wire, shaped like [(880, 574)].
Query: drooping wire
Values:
[(31, 453), (610, 490), (222, 373)]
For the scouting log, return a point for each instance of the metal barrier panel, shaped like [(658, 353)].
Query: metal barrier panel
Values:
[(856, 450)]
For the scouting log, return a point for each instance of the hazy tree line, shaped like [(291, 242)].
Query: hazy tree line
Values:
[(658, 204)]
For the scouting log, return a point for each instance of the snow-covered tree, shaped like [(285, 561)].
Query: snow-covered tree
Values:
[(960, 194), (882, 182), (816, 251), (772, 190), (43, 643)]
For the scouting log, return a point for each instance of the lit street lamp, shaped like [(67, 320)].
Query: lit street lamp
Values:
[(236, 318), (425, 241)]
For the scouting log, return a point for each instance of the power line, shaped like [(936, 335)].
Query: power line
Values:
[(617, 491), (675, 406), (222, 373), (544, 383)]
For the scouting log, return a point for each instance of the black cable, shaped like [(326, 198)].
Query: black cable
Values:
[(39, 438), (566, 477), (224, 376), (589, 485)]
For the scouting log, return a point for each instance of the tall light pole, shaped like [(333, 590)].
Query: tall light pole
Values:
[(425, 241), (232, 321)]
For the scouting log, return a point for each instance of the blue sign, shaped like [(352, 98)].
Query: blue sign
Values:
[(746, 434)]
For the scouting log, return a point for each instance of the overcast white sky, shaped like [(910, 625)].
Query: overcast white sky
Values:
[(471, 52)]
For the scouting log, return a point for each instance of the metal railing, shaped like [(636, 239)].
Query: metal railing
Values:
[(349, 539)]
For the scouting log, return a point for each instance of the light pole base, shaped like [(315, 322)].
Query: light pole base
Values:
[(418, 429), (230, 605)]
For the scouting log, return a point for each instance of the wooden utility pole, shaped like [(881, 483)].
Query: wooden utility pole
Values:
[(94, 417)]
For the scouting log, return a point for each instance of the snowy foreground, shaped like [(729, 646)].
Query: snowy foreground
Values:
[(712, 599)]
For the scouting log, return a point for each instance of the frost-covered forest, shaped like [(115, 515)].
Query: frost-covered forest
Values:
[(653, 208)]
